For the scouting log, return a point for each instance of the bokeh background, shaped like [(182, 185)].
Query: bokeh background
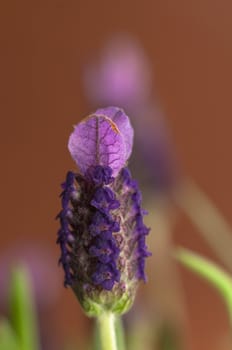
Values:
[(45, 47)]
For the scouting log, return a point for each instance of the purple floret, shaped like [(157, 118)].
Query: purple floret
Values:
[(100, 175), (106, 275), (104, 200), (64, 234), (105, 250)]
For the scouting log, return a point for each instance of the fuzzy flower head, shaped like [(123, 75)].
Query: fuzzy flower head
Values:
[(102, 234)]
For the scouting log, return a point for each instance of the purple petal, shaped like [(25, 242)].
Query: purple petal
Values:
[(123, 123), (98, 141)]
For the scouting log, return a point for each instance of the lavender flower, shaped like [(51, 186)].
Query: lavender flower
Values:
[(121, 74), (102, 234)]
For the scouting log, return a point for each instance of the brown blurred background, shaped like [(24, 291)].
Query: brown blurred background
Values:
[(44, 46)]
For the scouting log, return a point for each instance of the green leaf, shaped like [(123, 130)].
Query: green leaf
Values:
[(8, 338), (210, 272), (22, 309)]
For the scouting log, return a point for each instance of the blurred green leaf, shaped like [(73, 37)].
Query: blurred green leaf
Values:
[(22, 309), (210, 272), (8, 340), (167, 337)]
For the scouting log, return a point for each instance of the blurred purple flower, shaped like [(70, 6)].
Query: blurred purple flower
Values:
[(154, 160), (121, 76)]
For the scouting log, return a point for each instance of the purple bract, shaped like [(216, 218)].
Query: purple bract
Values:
[(104, 138)]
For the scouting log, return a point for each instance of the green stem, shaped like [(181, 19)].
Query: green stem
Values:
[(120, 335), (107, 332)]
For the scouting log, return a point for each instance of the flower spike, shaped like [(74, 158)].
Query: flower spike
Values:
[(102, 234)]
